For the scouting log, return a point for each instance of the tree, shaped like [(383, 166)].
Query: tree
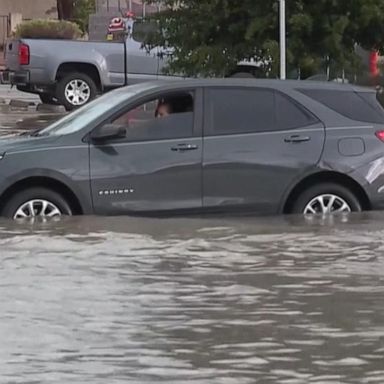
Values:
[(65, 9), (76, 10), (211, 36), (82, 10)]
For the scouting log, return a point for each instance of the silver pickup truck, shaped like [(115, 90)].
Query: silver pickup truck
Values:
[(72, 73)]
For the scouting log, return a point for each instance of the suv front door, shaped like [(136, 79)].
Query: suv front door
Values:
[(157, 167), (257, 142)]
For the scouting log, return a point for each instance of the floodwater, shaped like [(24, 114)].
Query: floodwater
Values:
[(23, 120), (202, 300), (91, 300)]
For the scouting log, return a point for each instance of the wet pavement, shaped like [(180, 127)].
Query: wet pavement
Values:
[(15, 120), (8, 93), (227, 300), (120, 300)]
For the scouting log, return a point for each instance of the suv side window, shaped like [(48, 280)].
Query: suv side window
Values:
[(242, 110), (169, 116), (252, 110), (291, 115)]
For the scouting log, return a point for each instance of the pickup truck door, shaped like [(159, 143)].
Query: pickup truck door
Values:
[(142, 62)]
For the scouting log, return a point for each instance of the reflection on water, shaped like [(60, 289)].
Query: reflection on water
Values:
[(122, 300)]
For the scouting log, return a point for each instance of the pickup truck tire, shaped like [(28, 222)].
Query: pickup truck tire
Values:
[(75, 90), (47, 98)]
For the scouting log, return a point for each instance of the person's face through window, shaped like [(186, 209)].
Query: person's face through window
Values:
[(164, 110)]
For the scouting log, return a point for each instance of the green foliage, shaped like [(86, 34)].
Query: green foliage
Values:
[(211, 36), (82, 9), (48, 29)]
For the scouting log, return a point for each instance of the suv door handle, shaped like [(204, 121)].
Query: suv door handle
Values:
[(297, 139), (184, 147)]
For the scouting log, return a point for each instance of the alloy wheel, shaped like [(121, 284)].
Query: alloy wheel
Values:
[(77, 92), (37, 208), (327, 203)]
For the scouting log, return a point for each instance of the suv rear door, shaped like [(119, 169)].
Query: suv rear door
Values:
[(257, 142)]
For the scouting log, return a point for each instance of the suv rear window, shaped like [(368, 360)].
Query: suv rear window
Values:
[(360, 106)]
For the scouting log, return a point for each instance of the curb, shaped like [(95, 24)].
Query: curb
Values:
[(29, 106)]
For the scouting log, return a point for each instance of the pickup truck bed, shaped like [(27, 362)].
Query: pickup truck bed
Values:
[(74, 72)]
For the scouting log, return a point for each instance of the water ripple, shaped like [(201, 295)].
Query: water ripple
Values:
[(95, 300)]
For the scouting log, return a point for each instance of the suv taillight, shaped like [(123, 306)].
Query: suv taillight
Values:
[(380, 135), (24, 54)]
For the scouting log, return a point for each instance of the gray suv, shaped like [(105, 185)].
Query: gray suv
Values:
[(228, 145)]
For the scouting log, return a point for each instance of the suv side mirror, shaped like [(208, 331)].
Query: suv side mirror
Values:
[(108, 132)]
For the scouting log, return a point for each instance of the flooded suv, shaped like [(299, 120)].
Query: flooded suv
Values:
[(228, 145)]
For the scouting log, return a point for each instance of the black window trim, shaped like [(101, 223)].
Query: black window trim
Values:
[(208, 126)]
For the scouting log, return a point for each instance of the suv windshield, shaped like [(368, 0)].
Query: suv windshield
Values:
[(76, 121), (79, 119)]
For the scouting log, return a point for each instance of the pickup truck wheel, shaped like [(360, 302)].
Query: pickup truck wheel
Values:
[(75, 89), (47, 98)]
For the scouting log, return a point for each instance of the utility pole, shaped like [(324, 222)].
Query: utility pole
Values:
[(283, 47)]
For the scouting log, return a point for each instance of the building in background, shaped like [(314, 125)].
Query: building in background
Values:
[(106, 10), (136, 6)]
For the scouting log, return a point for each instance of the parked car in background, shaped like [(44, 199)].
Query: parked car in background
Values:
[(73, 73), (203, 146)]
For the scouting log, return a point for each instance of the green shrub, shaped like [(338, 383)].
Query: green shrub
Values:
[(48, 29)]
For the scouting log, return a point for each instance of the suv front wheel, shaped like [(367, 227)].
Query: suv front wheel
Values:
[(326, 198), (35, 202)]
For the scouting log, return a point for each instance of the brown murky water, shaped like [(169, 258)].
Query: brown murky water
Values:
[(122, 300), (232, 300)]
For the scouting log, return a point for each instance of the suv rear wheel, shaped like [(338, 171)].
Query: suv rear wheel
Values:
[(75, 89), (325, 199), (34, 202)]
